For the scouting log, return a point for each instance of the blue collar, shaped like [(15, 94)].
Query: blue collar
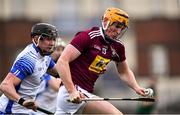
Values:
[(36, 48)]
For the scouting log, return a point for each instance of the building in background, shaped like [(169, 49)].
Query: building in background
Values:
[(153, 38)]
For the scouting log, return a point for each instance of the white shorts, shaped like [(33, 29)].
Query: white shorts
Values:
[(65, 107)]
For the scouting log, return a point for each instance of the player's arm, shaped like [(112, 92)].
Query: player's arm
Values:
[(72, 51), (54, 83), (128, 77), (20, 69), (69, 54), (52, 72), (8, 86), (51, 69)]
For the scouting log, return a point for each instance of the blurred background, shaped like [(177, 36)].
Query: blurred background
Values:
[(152, 43)]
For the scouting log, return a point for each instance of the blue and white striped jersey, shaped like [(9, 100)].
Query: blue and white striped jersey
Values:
[(30, 67), (47, 96)]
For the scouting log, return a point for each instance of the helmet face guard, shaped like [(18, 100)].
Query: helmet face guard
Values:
[(121, 34), (115, 15)]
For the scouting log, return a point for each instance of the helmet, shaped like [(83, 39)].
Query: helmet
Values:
[(60, 42), (44, 29), (116, 15), (59, 47)]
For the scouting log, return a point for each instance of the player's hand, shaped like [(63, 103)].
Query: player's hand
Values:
[(75, 97), (141, 91), (149, 92), (30, 104)]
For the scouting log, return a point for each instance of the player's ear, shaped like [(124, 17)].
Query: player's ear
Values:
[(35, 38)]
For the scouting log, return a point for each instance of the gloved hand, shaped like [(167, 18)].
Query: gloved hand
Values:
[(29, 103)]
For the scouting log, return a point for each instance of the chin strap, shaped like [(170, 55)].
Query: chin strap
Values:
[(108, 39)]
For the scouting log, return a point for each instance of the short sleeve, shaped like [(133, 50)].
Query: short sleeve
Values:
[(81, 41), (23, 67), (122, 54), (119, 54), (51, 64), (47, 77)]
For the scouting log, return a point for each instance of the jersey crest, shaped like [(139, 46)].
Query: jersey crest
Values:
[(99, 64)]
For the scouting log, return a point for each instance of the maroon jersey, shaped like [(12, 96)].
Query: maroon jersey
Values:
[(96, 53)]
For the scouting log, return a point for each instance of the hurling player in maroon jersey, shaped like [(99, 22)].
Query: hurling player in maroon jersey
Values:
[(86, 57)]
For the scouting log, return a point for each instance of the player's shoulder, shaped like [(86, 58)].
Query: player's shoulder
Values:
[(95, 32), (94, 29), (90, 33), (119, 43), (29, 53), (32, 51)]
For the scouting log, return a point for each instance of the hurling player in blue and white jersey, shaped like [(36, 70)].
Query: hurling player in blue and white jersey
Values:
[(47, 93), (21, 84)]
